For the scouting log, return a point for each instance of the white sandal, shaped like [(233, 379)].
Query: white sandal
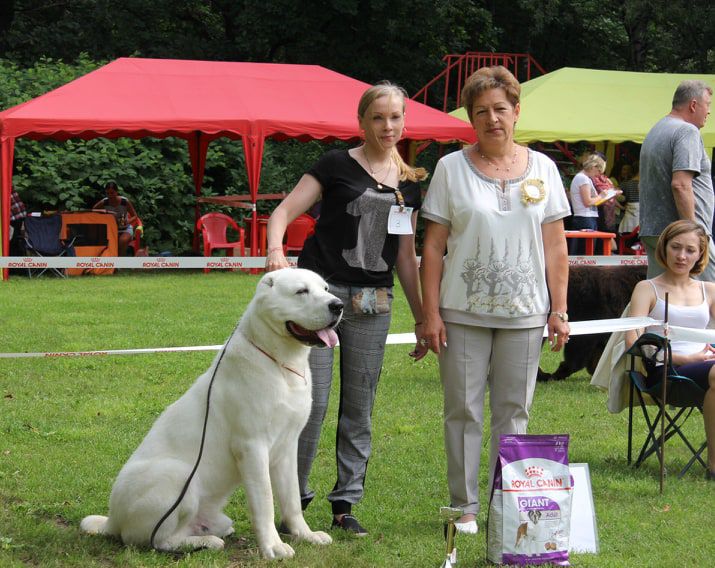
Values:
[(470, 527)]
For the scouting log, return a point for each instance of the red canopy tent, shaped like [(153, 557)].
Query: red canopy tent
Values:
[(200, 101)]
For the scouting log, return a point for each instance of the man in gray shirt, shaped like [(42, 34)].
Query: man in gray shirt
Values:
[(675, 172)]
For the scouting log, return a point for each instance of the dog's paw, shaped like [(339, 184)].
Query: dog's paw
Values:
[(317, 537), (277, 551), (212, 542)]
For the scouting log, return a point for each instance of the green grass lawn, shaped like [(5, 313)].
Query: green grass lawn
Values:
[(68, 425)]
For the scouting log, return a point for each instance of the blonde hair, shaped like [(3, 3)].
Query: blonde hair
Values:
[(486, 78), (675, 229), (387, 89), (594, 161)]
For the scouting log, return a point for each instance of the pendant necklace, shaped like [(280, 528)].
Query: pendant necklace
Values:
[(492, 164), (374, 172)]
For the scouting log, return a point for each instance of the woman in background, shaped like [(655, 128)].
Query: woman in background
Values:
[(630, 200), (682, 250), (123, 211), (584, 197)]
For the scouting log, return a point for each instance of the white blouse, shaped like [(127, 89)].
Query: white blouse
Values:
[(494, 269)]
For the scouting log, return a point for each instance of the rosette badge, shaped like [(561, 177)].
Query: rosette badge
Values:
[(532, 191)]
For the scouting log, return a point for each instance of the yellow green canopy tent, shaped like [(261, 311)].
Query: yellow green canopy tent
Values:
[(596, 106)]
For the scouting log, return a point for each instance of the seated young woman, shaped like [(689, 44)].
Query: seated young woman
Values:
[(683, 251)]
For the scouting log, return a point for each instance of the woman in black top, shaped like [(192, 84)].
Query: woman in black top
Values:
[(369, 202)]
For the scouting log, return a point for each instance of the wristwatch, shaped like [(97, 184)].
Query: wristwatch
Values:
[(563, 316)]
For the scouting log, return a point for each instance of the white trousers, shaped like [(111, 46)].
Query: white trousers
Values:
[(505, 359)]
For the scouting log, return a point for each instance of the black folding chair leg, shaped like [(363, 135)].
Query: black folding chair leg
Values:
[(697, 456), (671, 429)]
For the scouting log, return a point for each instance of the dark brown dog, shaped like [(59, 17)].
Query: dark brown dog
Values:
[(595, 292)]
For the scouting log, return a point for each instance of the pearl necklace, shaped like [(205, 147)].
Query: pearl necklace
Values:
[(492, 164), (374, 172)]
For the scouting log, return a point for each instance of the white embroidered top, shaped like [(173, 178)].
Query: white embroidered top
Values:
[(494, 269)]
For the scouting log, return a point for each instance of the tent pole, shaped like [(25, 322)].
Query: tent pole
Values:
[(7, 147), (198, 147), (253, 152)]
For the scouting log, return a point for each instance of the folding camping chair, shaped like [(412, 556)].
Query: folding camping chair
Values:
[(43, 239), (682, 397)]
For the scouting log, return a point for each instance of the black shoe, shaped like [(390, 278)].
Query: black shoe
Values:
[(709, 475), (349, 524)]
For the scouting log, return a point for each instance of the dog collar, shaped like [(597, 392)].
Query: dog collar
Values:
[(277, 362)]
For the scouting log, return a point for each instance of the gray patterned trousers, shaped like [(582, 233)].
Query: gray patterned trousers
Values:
[(362, 349)]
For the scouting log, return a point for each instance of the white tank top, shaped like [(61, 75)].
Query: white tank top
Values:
[(696, 317)]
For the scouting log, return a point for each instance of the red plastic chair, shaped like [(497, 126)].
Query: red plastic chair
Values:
[(636, 248), (136, 242), (300, 229), (213, 227)]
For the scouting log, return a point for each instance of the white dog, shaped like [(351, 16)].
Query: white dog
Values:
[(254, 400)]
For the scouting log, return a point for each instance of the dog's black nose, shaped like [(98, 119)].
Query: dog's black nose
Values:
[(336, 306)]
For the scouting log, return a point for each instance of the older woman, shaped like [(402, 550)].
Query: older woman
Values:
[(496, 210)]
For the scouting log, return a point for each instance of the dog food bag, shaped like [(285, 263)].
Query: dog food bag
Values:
[(530, 508)]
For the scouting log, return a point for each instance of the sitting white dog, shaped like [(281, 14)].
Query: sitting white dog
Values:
[(245, 415)]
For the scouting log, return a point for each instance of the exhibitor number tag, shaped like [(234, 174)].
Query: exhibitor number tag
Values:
[(400, 220)]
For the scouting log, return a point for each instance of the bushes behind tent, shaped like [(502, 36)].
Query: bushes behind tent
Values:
[(154, 173)]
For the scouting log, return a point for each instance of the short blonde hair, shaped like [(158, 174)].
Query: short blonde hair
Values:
[(486, 78), (594, 161), (675, 229), (387, 89)]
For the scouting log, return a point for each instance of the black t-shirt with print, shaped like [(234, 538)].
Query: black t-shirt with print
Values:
[(351, 244)]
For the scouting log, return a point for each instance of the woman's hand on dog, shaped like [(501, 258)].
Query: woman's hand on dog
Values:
[(275, 259)]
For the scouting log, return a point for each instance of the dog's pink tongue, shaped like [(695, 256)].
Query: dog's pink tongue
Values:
[(328, 336)]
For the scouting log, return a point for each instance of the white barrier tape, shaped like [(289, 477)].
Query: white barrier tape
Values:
[(62, 354), (225, 262), (610, 325), (577, 328)]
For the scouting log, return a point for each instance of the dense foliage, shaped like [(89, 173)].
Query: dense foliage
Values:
[(46, 44), (155, 174)]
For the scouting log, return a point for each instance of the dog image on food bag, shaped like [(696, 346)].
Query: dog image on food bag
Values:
[(243, 418), (529, 535)]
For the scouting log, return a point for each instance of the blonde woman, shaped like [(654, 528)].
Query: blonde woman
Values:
[(365, 192), (584, 197)]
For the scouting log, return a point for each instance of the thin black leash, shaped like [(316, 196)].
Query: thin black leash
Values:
[(201, 447)]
